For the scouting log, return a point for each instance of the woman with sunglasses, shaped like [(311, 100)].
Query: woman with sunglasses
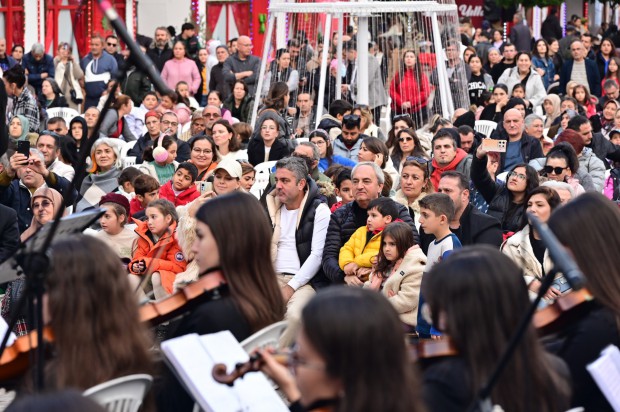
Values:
[(410, 89), (561, 165), (588, 162), (321, 139), (505, 200), (526, 248), (415, 183), (327, 375), (408, 145), (399, 122)]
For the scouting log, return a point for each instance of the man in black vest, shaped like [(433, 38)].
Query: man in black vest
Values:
[(299, 219), (470, 225)]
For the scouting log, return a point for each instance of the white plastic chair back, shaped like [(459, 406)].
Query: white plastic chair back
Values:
[(485, 127), (546, 132), (263, 170), (129, 161), (65, 112), (302, 139), (123, 394), (267, 336), (125, 149)]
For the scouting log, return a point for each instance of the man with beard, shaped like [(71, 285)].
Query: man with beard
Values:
[(160, 51)]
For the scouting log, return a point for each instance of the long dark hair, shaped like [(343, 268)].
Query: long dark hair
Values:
[(535, 49), (234, 144), (531, 178), (595, 247), (403, 237), (417, 149), (461, 289), (111, 342), (238, 219), (417, 72), (276, 73), (392, 140), (340, 318), (329, 151), (376, 146), (275, 97)]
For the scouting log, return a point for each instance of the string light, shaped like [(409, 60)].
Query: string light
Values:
[(38, 20), (505, 31), (563, 17), (89, 18)]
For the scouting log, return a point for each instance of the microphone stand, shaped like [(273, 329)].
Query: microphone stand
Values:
[(35, 264)]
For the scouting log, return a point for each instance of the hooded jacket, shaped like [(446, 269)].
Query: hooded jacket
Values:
[(404, 282), (183, 198), (331, 125), (460, 163), (343, 223), (341, 149), (171, 260)]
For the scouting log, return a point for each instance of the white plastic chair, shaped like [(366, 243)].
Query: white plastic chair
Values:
[(485, 127), (302, 139), (125, 148), (129, 161), (123, 394), (267, 336), (263, 170), (65, 112)]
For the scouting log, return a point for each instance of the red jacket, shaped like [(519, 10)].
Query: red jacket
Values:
[(408, 89), (171, 260), (186, 196), (135, 206), (438, 170)]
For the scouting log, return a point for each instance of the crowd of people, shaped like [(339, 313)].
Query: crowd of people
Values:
[(361, 237)]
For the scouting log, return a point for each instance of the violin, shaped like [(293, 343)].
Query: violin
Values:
[(554, 317), (254, 364), (209, 286), (16, 358)]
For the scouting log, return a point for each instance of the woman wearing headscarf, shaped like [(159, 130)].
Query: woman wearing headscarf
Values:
[(45, 203), (551, 107)]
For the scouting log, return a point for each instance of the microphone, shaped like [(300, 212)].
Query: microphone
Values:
[(142, 62), (562, 260)]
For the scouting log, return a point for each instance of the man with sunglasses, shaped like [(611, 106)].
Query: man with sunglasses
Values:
[(349, 142)]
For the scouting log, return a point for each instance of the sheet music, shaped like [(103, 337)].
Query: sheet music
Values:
[(193, 358), (606, 373)]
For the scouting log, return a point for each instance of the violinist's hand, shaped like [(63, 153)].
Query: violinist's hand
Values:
[(353, 280), (279, 374)]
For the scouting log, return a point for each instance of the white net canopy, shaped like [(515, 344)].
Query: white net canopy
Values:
[(394, 57)]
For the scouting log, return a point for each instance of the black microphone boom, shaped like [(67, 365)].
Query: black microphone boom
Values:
[(562, 260), (141, 61)]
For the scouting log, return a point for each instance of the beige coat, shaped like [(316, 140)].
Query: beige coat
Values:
[(519, 249), (404, 283), (415, 205)]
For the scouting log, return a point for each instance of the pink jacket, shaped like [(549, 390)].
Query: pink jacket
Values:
[(176, 70)]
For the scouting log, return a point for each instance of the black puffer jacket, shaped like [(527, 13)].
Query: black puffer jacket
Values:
[(497, 196), (282, 146), (342, 224)]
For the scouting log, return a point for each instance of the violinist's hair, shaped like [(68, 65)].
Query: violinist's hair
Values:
[(595, 247), (340, 318), (94, 317), (63, 401), (238, 219), (460, 290)]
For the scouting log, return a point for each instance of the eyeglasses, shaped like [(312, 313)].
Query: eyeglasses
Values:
[(45, 203), (205, 151), (113, 44), (351, 118), (294, 361), (320, 142), (211, 115), (519, 176), (169, 123), (554, 170), (405, 139)]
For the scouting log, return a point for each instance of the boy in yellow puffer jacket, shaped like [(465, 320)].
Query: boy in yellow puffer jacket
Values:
[(358, 254)]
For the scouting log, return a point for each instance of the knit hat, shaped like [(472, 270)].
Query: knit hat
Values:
[(116, 198), (231, 166), (151, 113)]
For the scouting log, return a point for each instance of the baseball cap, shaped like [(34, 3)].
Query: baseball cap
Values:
[(232, 167)]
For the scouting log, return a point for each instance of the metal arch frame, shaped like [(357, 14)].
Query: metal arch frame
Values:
[(362, 10)]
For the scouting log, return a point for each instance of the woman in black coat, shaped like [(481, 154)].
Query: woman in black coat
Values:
[(51, 96), (268, 134), (505, 200)]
